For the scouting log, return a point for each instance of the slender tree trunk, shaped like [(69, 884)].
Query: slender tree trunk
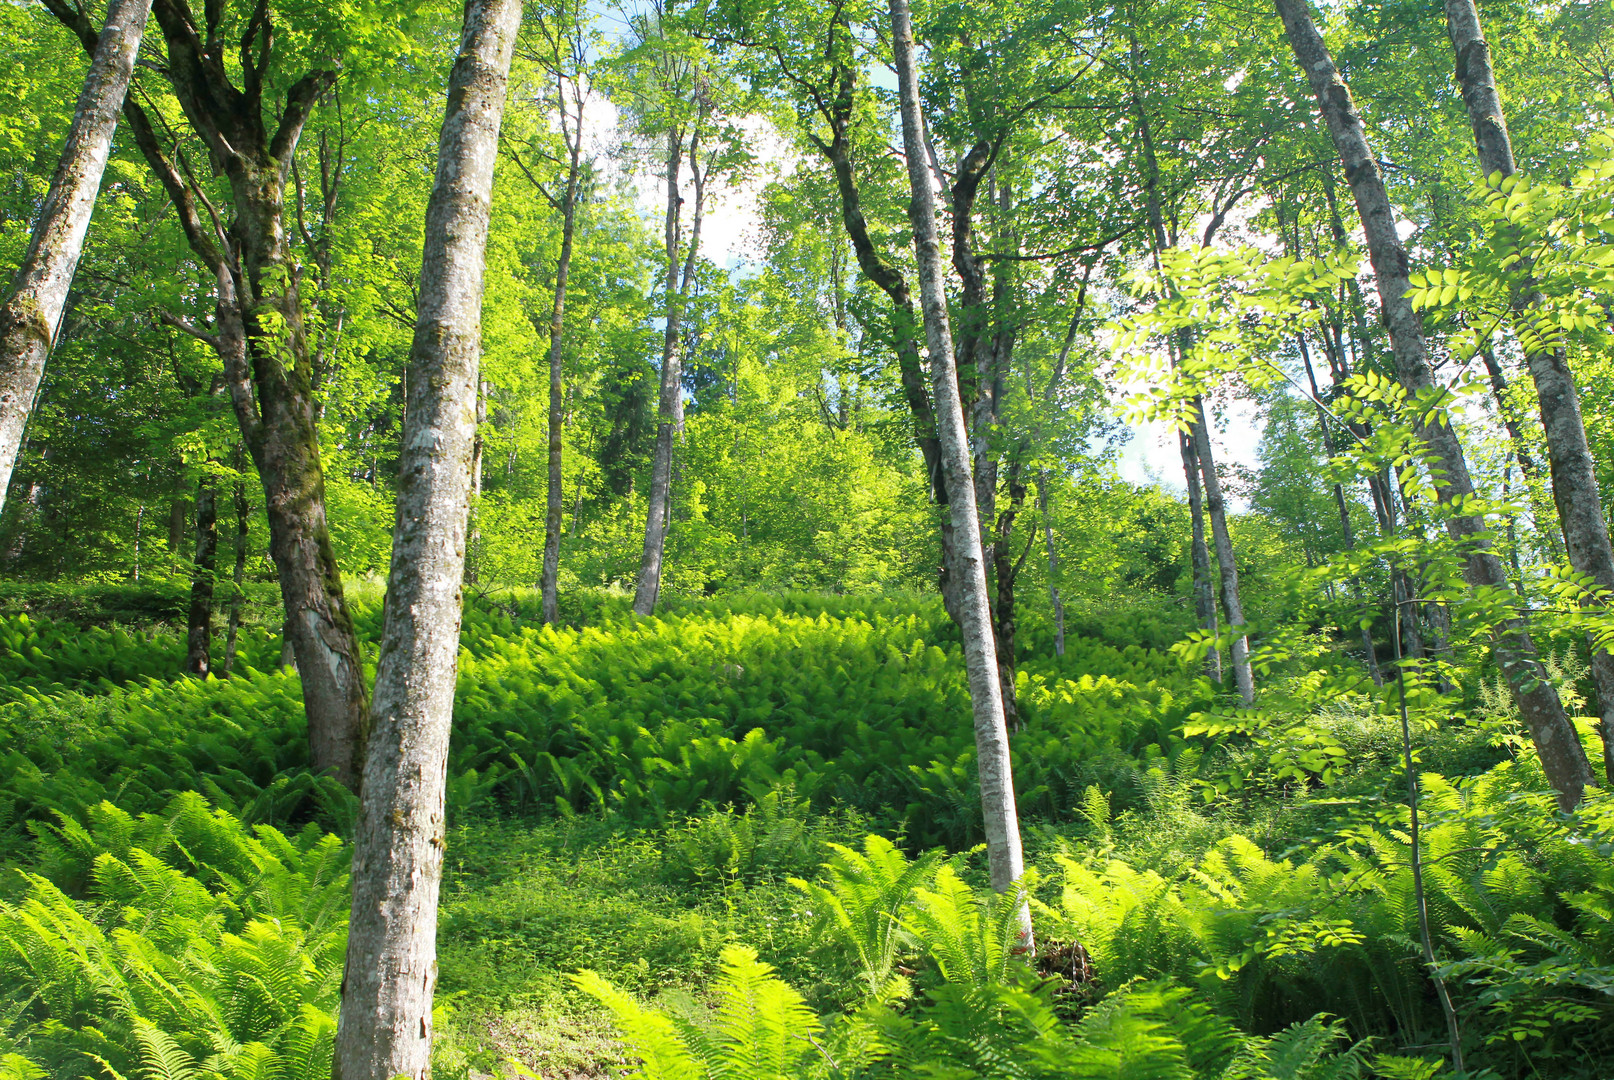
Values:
[(1004, 855), (199, 627), (1193, 464), (1204, 592), (473, 542), (1347, 530), (1558, 745), (385, 1029), (557, 317), (1545, 514), (32, 314), (179, 509), (243, 524), (1053, 563), (1005, 571), (1569, 456), (1226, 563), (670, 409)]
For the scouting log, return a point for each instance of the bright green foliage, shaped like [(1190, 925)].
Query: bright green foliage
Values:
[(177, 945), (1517, 898), (39, 657), (979, 1010), (867, 708), (862, 902)]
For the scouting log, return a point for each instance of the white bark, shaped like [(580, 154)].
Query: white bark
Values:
[(1004, 856), (32, 316), (1226, 562), (1563, 758), (386, 1024), (1569, 454)]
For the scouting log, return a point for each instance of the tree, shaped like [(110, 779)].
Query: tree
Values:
[(1569, 455), (32, 315), (562, 56), (385, 1027), (1004, 856), (1557, 743), (258, 327)]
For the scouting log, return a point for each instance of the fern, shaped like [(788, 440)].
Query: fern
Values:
[(861, 901)]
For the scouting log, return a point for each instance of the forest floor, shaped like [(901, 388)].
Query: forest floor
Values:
[(636, 798)]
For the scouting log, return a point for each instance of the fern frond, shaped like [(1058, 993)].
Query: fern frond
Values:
[(650, 1035)]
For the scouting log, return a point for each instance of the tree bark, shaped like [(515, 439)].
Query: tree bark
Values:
[(1569, 456), (179, 509), (1226, 563), (30, 319), (1562, 756), (670, 409), (199, 626), (243, 524), (258, 334), (385, 1030), (1004, 856), (1204, 592), (557, 316), (1054, 598)]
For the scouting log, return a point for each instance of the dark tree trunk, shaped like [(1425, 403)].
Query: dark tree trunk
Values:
[(199, 626), (1569, 456), (1557, 743), (385, 1029), (258, 334), (33, 312), (1005, 571), (243, 525), (179, 510)]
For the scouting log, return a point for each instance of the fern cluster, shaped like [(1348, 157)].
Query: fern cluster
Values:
[(650, 719), (973, 1006), (174, 946)]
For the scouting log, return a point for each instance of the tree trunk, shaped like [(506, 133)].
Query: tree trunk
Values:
[(557, 316), (1004, 856), (199, 627), (1204, 592), (179, 509), (258, 334), (1053, 563), (243, 524), (1226, 563), (385, 1029), (670, 409), (1005, 571), (1347, 530), (1545, 513), (1562, 755), (1569, 456), (473, 542), (32, 315)]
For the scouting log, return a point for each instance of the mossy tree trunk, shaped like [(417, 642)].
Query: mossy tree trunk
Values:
[(385, 1029)]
